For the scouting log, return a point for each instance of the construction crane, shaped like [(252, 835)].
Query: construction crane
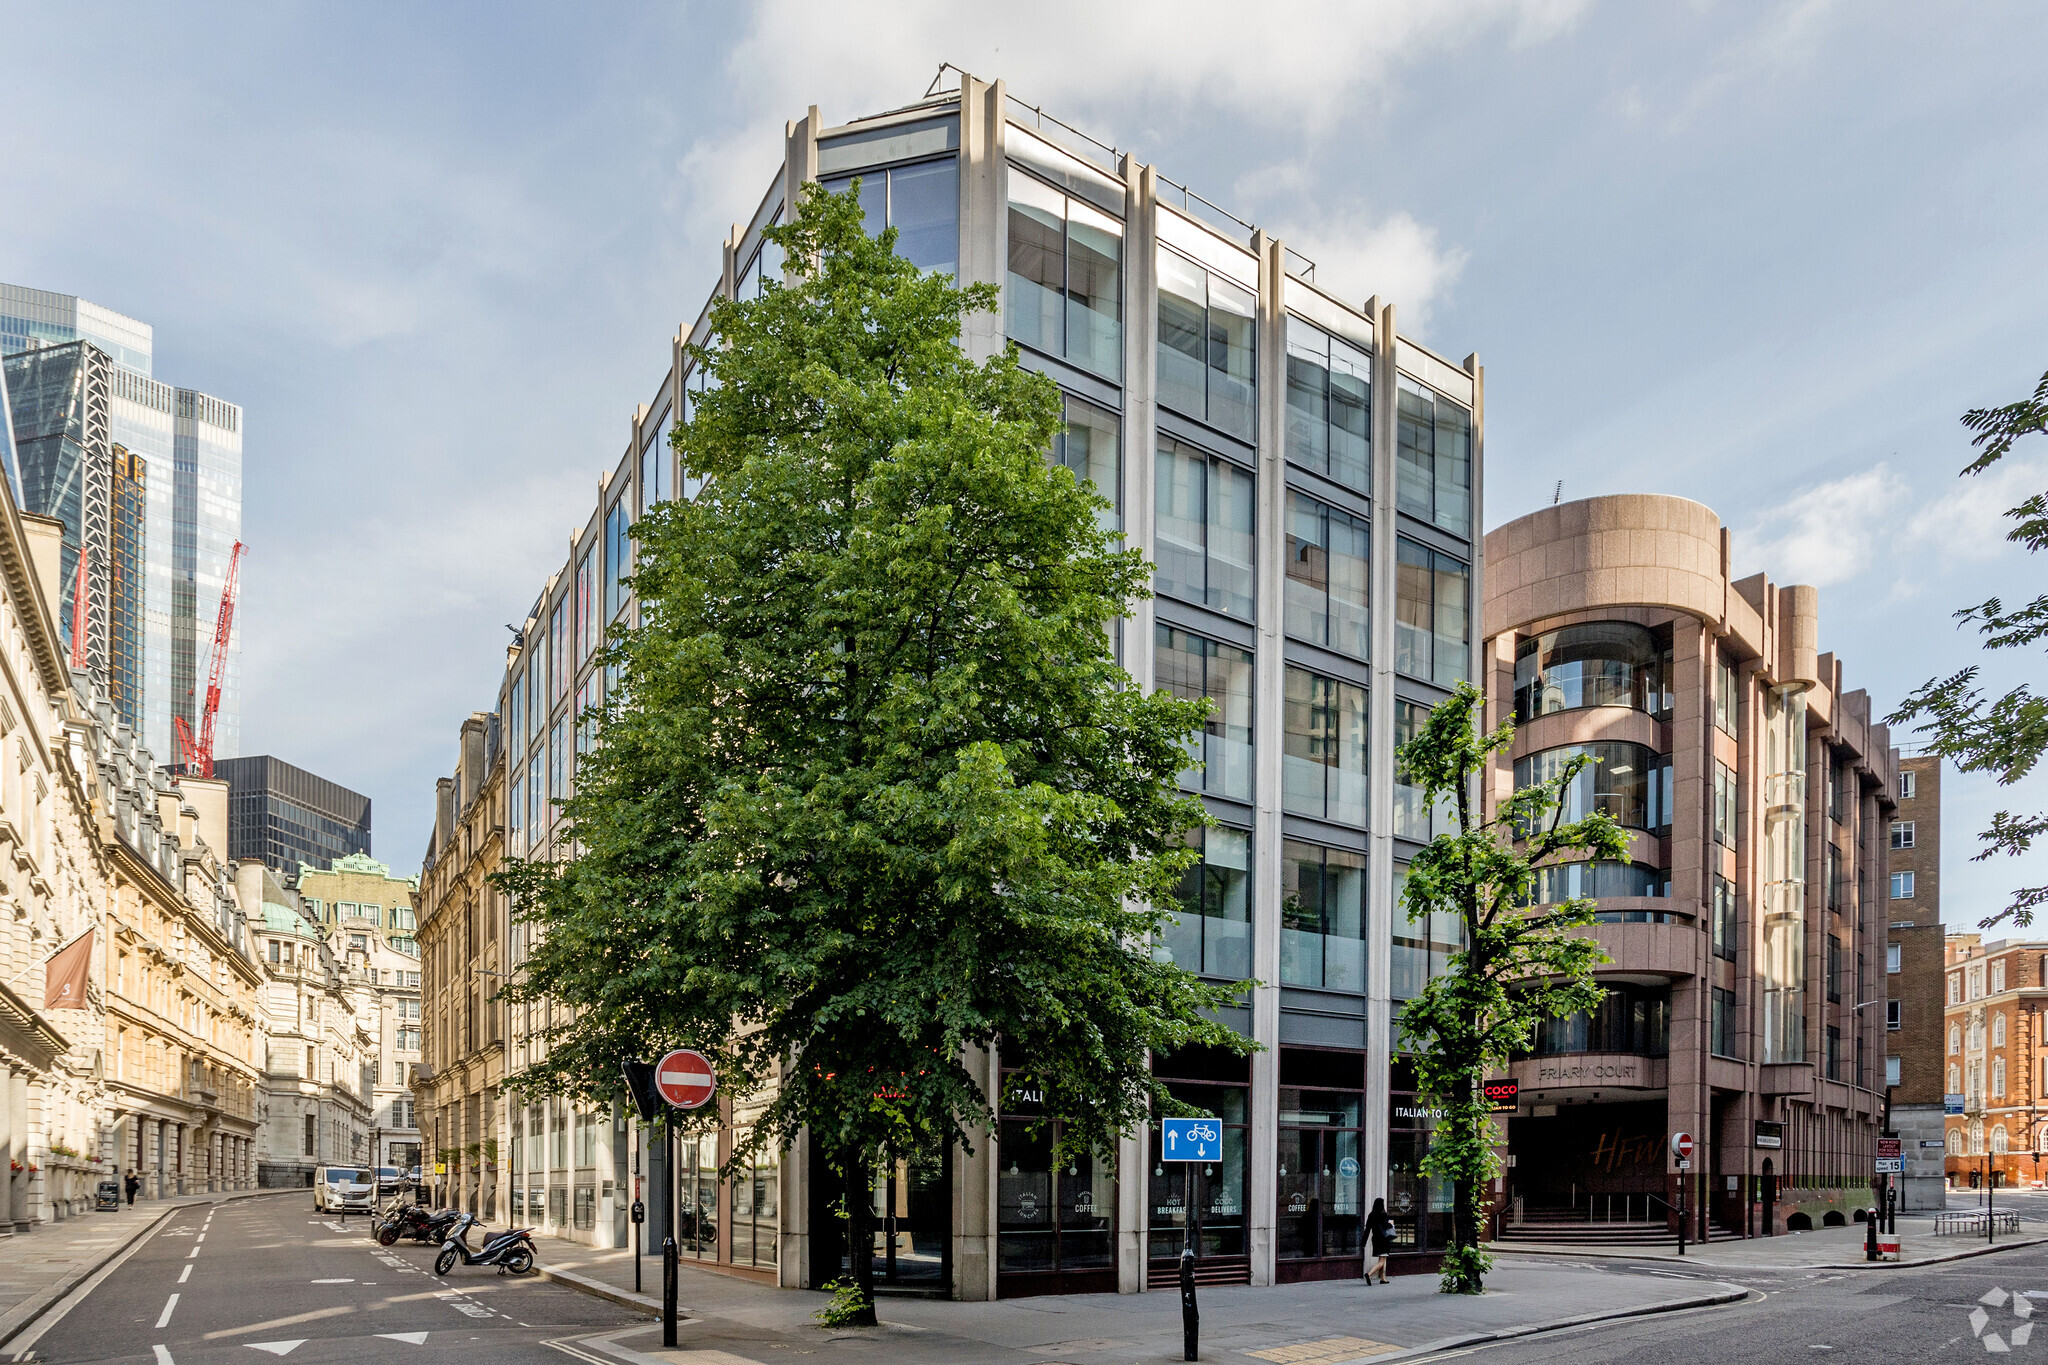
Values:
[(199, 754)]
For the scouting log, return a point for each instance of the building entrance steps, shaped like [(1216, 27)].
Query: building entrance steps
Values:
[(1554, 1227), (1838, 1248)]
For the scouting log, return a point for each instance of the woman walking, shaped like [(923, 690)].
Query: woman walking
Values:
[(1379, 1229)]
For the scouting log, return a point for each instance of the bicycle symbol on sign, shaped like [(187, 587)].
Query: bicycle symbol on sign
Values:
[(1190, 1139)]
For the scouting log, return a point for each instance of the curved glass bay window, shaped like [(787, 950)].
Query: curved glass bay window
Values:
[(1205, 521), (1064, 293), (1601, 663), (1207, 346), (1630, 782), (1433, 479), (1635, 1019), (1599, 881), (1322, 917), (1324, 748), (1212, 934), (1197, 668), (1783, 967), (1329, 577), (922, 202), (1329, 406)]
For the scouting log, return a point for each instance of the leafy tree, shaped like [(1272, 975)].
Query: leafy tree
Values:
[(2005, 737), (1521, 962), (873, 796)]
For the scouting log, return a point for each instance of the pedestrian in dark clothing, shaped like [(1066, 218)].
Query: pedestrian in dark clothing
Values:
[(1379, 1229), (134, 1183)]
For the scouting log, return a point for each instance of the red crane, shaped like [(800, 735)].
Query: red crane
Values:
[(199, 755)]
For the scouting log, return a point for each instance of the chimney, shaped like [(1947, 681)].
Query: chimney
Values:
[(209, 797)]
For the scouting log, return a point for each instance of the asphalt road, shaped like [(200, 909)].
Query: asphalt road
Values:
[(1926, 1313), (271, 1274)]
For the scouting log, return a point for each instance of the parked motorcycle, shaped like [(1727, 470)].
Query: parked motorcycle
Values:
[(512, 1252), (420, 1224)]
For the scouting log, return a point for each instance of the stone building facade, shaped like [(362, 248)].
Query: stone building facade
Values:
[(1746, 936), (1915, 962), (463, 927), (369, 919)]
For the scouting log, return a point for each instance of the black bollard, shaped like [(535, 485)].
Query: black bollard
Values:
[(668, 1243), (1870, 1236), (1190, 1315)]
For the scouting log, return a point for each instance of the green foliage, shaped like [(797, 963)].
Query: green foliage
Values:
[(872, 792), (850, 1305), (2006, 736), (1521, 963)]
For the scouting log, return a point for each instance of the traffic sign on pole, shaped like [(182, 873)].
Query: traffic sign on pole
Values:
[(1681, 1146), (685, 1078), (1190, 1139)]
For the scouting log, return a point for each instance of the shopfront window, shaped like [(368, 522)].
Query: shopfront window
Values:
[(755, 1217), (1322, 917), (1196, 1203), (1207, 346), (1212, 934), (912, 1213), (1419, 1206), (1320, 1183), (1329, 577), (1051, 1216), (1601, 663), (1324, 748), (1206, 516), (1627, 781), (697, 1196)]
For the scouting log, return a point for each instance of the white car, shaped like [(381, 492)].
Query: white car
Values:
[(345, 1189)]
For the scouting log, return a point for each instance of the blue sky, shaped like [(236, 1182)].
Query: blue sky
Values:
[(1762, 255)]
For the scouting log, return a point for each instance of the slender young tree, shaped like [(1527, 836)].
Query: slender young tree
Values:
[(2008, 736), (1522, 961), (872, 798)]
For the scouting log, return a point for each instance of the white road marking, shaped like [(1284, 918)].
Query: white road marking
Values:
[(165, 1319), (190, 1254), (202, 1237), (186, 1273), (276, 1348), (352, 1281), (163, 1357), (410, 1338)]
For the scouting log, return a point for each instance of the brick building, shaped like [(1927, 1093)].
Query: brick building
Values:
[(1995, 1058), (1914, 961)]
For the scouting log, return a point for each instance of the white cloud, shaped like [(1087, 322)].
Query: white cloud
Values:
[(1395, 257), (1969, 522), (1826, 534)]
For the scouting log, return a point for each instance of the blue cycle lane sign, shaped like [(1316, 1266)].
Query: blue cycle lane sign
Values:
[(1191, 1139)]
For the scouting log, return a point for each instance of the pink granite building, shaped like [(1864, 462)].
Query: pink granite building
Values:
[(1745, 995)]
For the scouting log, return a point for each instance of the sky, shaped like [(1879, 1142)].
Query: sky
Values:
[(1762, 255)]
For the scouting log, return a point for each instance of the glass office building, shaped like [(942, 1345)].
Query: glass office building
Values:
[(287, 818), (158, 500), (1307, 482)]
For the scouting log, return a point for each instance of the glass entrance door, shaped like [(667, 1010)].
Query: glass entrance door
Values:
[(913, 1223)]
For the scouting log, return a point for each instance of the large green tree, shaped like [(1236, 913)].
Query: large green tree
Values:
[(872, 796), (1521, 963), (2005, 736)]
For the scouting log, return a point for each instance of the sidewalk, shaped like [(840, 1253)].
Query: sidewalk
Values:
[(39, 1268), (1822, 1249), (1305, 1324)]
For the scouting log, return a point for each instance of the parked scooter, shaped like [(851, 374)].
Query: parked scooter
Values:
[(420, 1224), (512, 1252)]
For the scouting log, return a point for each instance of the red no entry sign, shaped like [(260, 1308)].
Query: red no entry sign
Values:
[(685, 1079), (1681, 1146)]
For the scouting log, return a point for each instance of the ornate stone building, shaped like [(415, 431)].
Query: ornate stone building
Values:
[(463, 929)]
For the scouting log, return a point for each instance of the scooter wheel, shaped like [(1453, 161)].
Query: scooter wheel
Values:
[(519, 1262), (444, 1262)]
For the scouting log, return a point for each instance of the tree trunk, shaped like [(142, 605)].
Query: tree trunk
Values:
[(860, 1232)]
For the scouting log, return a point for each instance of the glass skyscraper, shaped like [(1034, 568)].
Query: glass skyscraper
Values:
[(153, 489)]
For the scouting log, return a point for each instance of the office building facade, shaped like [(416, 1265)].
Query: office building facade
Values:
[(1746, 935), (1308, 483), (1995, 1060), (287, 818), (159, 506)]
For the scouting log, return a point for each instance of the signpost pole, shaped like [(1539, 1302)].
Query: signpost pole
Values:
[(668, 1241), (639, 1209), (1190, 1315)]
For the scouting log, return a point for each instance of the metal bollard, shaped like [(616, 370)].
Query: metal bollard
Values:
[(1190, 1315), (668, 1290), (1870, 1237)]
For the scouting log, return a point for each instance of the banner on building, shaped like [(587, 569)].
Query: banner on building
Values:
[(64, 976)]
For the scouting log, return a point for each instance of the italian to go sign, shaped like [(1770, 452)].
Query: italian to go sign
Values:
[(1190, 1140)]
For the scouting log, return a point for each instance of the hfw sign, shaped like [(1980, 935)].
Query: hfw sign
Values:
[(685, 1079)]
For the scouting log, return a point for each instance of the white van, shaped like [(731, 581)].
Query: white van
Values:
[(345, 1189)]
